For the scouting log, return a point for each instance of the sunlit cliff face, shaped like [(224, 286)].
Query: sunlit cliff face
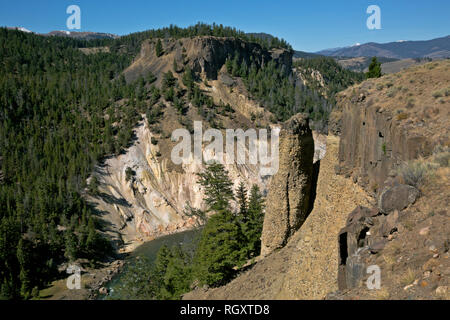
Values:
[(153, 201)]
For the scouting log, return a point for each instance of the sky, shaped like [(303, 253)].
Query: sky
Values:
[(307, 25)]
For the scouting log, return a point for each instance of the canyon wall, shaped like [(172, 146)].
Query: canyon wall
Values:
[(385, 122), (153, 202), (394, 142), (204, 55)]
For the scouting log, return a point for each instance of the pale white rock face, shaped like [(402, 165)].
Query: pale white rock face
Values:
[(320, 145), (152, 204)]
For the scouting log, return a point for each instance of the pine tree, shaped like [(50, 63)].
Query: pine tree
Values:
[(158, 48), (253, 228), (235, 66), (374, 69), (219, 250), (217, 187), (188, 79), (241, 197), (71, 245), (169, 80), (229, 65), (177, 278), (23, 256), (91, 239), (162, 259)]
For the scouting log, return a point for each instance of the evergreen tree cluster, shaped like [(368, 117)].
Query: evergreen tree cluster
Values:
[(132, 42), (336, 77), (61, 112), (283, 95)]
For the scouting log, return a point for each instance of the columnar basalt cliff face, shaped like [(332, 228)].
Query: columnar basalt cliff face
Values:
[(289, 192), (373, 143), (204, 55), (378, 137), (385, 122)]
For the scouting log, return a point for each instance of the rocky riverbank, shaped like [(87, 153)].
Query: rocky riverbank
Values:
[(93, 281)]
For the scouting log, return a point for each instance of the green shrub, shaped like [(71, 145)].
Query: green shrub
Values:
[(129, 173), (391, 92), (402, 116), (438, 94), (442, 156), (383, 147), (414, 173)]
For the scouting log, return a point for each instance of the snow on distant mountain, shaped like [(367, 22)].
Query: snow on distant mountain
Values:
[(400, 49)]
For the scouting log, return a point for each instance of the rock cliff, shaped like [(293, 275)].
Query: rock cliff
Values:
[(153, 202), (398, 150), (385, 122), (204, 55)]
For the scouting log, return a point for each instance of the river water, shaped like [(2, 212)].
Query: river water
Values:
[(150, 250)]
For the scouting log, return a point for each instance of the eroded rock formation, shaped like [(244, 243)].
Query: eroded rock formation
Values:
[(289, 191)]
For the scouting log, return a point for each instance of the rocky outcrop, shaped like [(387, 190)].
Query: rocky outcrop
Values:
[(289, 191), (386, 122), (377, 137), (373, 143), (367, 231), (204, 55), (397, 198)]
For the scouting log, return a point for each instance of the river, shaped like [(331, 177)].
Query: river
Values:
[(150, 250)]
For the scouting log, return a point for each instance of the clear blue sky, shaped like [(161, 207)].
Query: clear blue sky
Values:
[(308, 25)]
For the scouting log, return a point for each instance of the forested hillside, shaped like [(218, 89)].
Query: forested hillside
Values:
[(59, 115), (63, 111), (336, 77)]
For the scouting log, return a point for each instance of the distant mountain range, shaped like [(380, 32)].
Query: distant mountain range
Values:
[(72, 34), (435, 48), (82, 35)]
